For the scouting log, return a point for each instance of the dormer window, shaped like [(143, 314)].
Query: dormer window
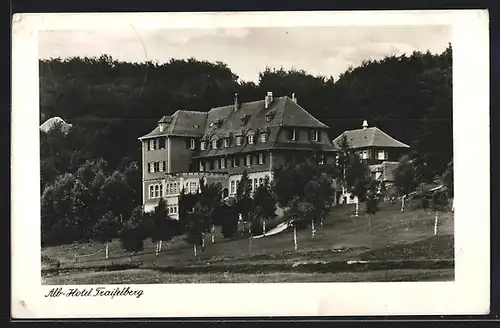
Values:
[(202, 145), (217, 123), (192, 144), (263, 137), (244, 119), (381, 155), (226, 142), (250, 139), (314, 135), (238, 140), (269, 116), (214, 144)]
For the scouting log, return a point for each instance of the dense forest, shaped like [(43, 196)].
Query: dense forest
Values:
[(111, 103)]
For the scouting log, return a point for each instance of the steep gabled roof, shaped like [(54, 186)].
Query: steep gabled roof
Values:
[(369, 137), (181, 123), (226, 121)]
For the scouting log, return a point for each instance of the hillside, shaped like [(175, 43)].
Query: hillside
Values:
[(112, 103), (392, 236)]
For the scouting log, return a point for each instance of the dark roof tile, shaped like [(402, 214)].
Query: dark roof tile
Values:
[(369, 137), (285, 112)]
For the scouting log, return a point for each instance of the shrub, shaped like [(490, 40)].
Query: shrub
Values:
[(424, 202), (132, 238)]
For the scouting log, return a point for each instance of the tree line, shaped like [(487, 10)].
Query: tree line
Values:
[(91, 175), (90, 206), (110, 103)]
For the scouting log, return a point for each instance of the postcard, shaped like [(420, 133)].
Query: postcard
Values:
[(250, 164)]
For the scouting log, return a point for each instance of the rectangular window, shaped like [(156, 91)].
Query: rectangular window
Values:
[(313, 136), (223, 163), (365, 154), (212, 164), (202, 167), (202, 145), (150, 168), (263, 137), (214, 144), (291, 134), (152, 144), (321, 159), (248, 160), (233, 190), (163, 143), (164, 165), (157, 191), (381, 155), (157, 166), (261, 158), (250, 139), (255, 184), (161, 190), (192, 144), (226, 142), (236, 161), (151, 191), (238, 141)]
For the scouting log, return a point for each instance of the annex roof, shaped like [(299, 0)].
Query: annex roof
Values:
[(369, 137)]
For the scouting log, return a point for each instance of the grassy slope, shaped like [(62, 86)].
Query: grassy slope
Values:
[(391, 236)]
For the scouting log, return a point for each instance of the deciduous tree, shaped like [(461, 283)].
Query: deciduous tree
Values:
[(404, 178)]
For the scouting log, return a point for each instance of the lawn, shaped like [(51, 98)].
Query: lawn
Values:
[(388, 235)]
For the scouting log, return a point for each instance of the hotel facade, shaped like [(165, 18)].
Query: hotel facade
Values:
[(218, 145)]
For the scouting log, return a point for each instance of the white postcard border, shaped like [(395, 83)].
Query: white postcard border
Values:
[(468, 294)]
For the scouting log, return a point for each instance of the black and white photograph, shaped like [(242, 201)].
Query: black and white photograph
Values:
[(264, 154)]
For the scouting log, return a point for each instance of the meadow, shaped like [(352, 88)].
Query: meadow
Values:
[(389, 246)]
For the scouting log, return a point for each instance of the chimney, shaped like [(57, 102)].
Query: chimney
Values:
[(294, 99), (235, 102), (365, 124), (268, 99)]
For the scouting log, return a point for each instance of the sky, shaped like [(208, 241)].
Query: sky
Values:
[(327, 51)]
